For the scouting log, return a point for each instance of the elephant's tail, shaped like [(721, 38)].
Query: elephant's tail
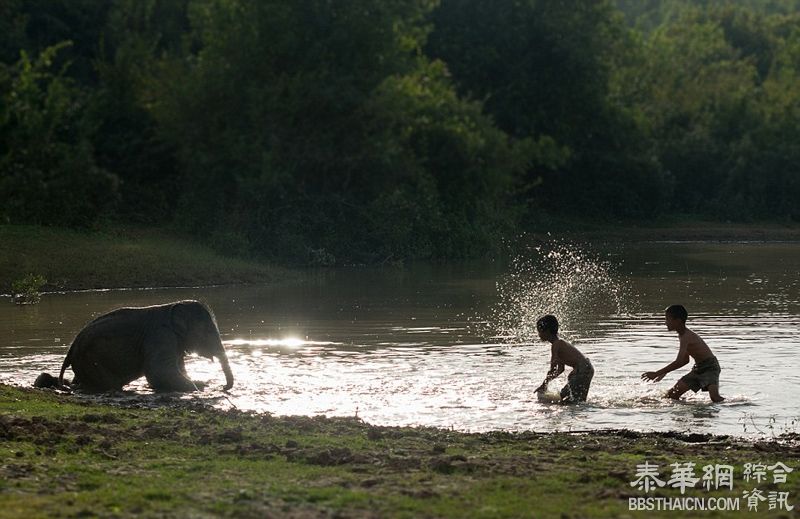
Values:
[(64, 365)]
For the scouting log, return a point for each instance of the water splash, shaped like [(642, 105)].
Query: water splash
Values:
[(558, 278)]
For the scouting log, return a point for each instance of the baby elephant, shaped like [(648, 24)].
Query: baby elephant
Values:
[(121, 346)]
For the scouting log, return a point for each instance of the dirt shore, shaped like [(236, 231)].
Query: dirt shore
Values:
[(165, 456)]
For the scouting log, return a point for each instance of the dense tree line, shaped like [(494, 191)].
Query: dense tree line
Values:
[(368, 131)]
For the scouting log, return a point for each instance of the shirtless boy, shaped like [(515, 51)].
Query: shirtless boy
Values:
[(561, 353), (704, 374)]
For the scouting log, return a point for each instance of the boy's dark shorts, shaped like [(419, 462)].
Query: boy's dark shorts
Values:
[(705, 373), (577, 388)]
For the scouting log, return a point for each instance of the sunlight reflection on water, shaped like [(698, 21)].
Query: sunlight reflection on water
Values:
[(433, 346)]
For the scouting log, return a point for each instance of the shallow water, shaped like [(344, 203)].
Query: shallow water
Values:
[(454, 346)]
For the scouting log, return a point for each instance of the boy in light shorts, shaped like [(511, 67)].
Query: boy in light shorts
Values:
[(705, 373)]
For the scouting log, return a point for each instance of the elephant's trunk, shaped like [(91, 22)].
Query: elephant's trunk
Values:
[(226, 368)]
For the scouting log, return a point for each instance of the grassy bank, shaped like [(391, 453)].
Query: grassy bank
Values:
[(119, 258), (134, 257), (68, 456)]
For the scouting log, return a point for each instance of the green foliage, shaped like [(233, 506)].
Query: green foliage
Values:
[(544, 69), (26, 290), (447, 175), (35, 25), (714, 92), (317, 126), (124, 132), (541, 66), (47, 169), (330, 132)]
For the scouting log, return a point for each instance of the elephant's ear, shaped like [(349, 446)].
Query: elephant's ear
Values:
[(181, 315)]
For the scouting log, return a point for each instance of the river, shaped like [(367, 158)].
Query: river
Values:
[(455, 346)]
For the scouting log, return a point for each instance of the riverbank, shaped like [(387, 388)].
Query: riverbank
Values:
[(160, 456), (119, 258), (674, 228), (151, 257)]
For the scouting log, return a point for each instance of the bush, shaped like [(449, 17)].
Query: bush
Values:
[(26, 290), (47, 170)]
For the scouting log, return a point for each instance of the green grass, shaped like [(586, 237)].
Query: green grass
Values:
[(125, 257), (67, 456), (121, 258)]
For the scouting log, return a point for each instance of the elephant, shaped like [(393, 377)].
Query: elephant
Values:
[(121, 346)]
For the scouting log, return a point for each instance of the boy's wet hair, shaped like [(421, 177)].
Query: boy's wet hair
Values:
[(548, 323), (678, 312)]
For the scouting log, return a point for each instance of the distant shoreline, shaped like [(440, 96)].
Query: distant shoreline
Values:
[(669, 230), (131, 258), (121, 258)]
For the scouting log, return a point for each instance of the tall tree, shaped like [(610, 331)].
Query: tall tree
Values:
[(543, 69), (274, 118), (47, 170)]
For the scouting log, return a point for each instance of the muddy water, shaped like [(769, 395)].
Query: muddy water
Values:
[(455, 347)]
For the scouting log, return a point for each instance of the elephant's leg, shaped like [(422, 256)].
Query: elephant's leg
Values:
[(105, 358), (162, 380), (182, 364), (108, 380), (98, 378), (198, 385), (164, 366)]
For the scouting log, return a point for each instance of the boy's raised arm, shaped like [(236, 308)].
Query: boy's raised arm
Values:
[(681, 360)]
